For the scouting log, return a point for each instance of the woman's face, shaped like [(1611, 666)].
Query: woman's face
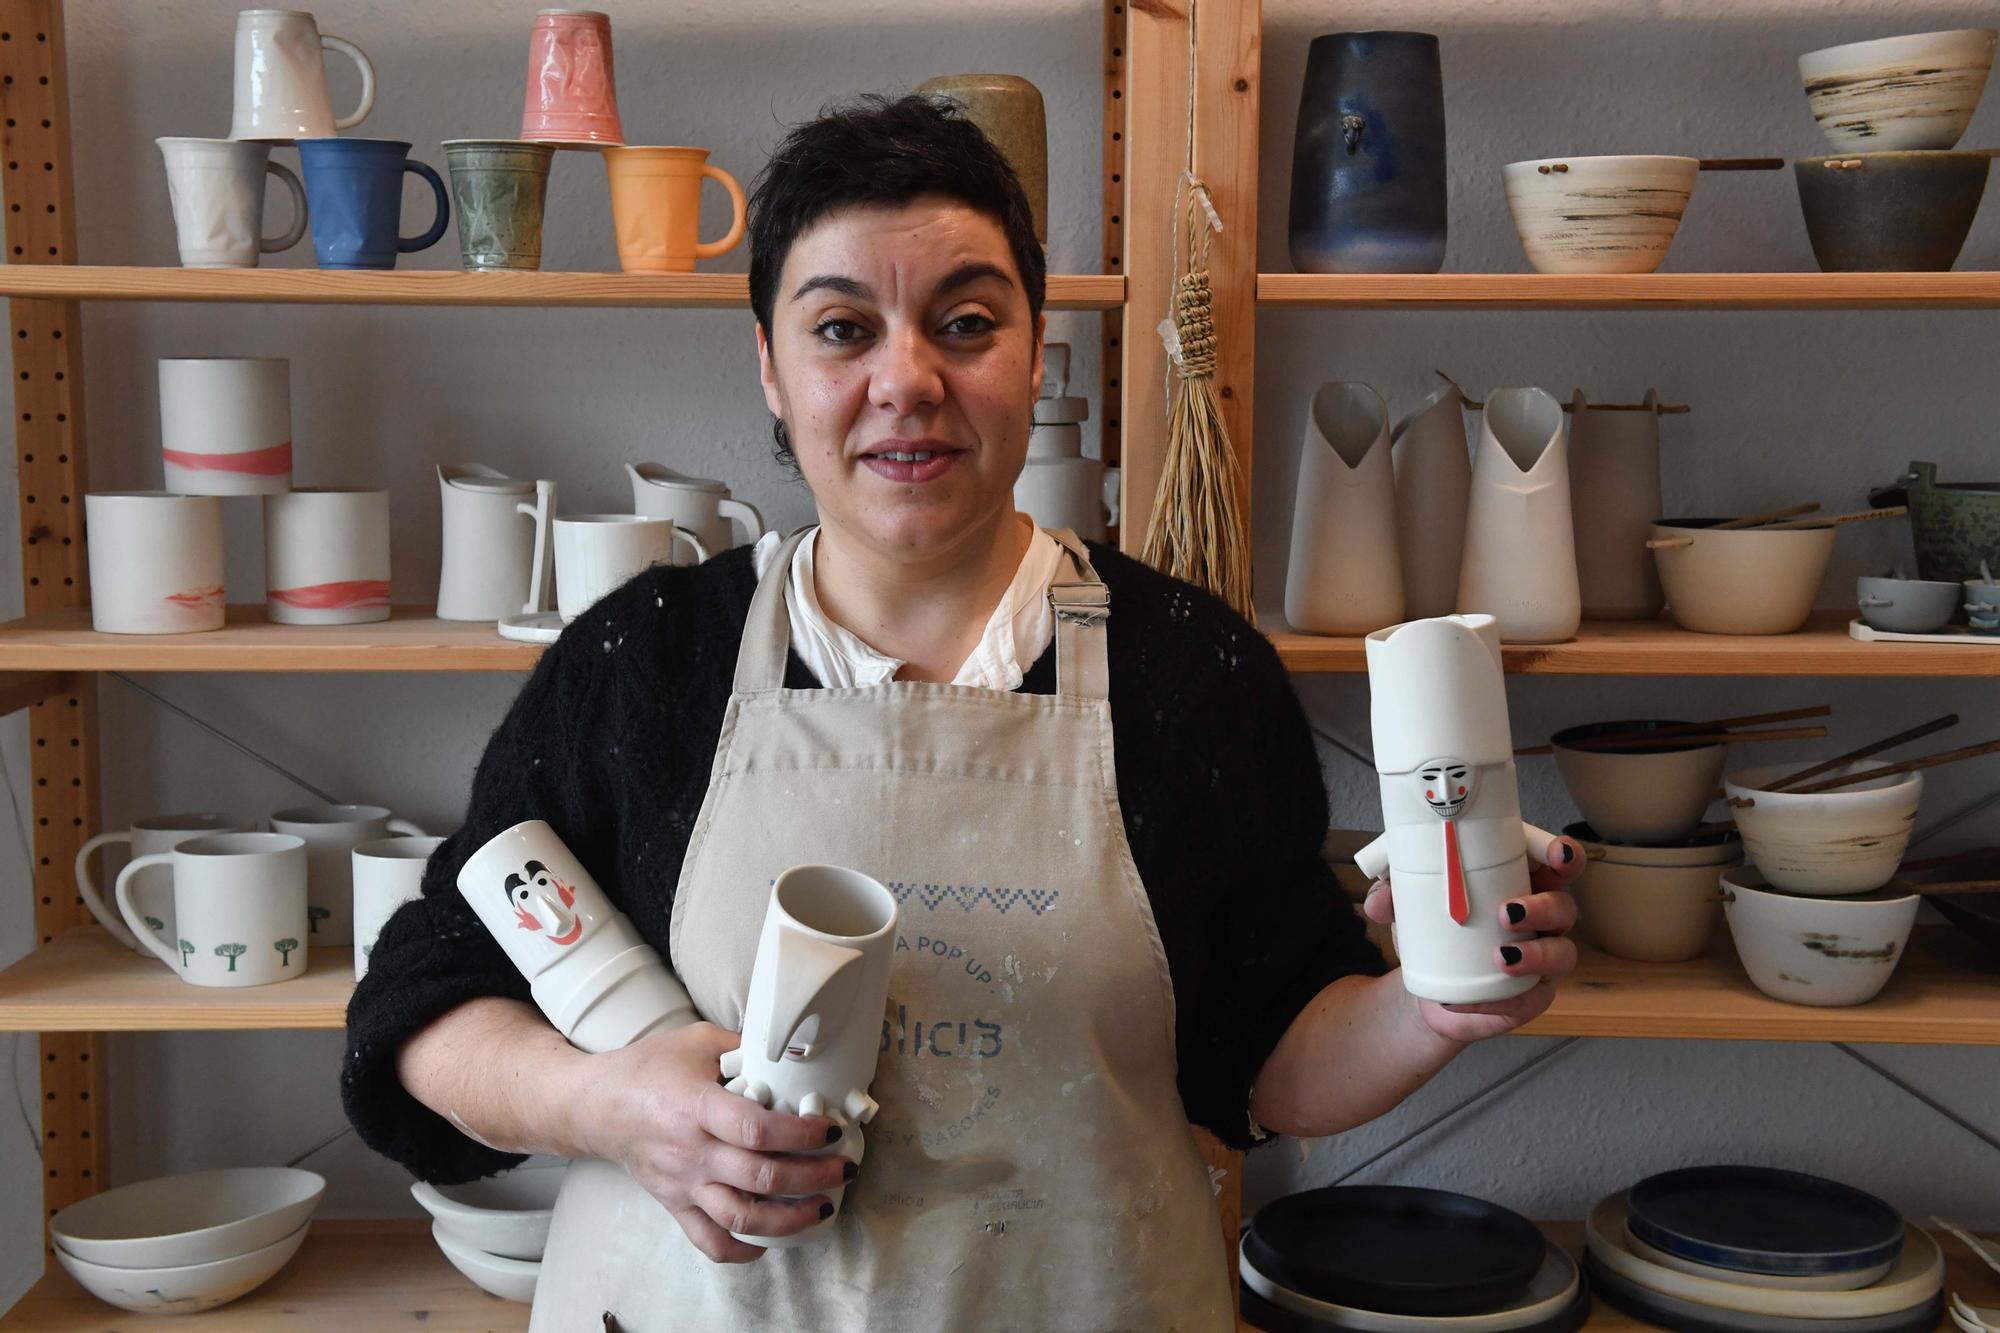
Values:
[(904, 364)]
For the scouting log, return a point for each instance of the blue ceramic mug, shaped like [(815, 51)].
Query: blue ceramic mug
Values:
[(354, 194)]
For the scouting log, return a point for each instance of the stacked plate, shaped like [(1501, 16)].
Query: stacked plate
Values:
[(494, 1230), (1392, 1259), (1741, 1249)]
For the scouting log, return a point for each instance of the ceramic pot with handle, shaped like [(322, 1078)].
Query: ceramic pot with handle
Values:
[(1520, 549), (695, 504), (489, 553), (1345, 575), (1614, 494)]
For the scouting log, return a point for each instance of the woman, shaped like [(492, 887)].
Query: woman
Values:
[(1090, 786)]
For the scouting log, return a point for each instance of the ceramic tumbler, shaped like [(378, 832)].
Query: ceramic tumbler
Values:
[(1345, 576), (155, 562), (1008, 110), (1368, 162), (701, 506), (326, 556), (656, 206), (330, 833), (226, 424), (387, 873), (217, 190), (596, 553), (354, 189), (488, 552), (1954, 525), (1614, 494), (499, 188), (239, 909), (1433, 480), (1519, 564), (572, 92), (1080, 494), (152, 888), (281, 78)]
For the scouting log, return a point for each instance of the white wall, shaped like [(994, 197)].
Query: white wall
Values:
[(1824, 403)]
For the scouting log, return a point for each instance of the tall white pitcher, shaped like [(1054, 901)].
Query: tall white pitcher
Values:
[(490, 527), (697, 504)]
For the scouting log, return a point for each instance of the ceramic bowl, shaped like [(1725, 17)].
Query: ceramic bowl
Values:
[(1982, 605), (1645, 796), (1654, 914), (1906, 606), (1829, 843), (196, 1218), (1916, 91), (182, 1288), (1890, 212), (1776, 1281), (1718, 848), (509, 1279), (1756, 582), (506, 1215), (1818, 951), (1598, 214)]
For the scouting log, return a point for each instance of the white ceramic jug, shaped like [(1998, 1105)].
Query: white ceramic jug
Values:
[(1614, 497), (1345, 576), (488, 551), (1076, 493), (1433, 478), (281, 78), (696, 505), (1519, 564)]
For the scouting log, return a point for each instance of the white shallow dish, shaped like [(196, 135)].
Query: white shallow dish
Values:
[(1918, 1275), (505, 1215), (1776, 1281), (509, 1279), (195, 1218), (1830, 843), (1548, 1293), (184, 1289), (1829, 952)]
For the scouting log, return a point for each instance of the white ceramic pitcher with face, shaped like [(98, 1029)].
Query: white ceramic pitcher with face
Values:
[(490, 526), (697, 504)]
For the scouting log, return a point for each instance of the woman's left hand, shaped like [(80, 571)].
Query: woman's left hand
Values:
[(1549, 910)]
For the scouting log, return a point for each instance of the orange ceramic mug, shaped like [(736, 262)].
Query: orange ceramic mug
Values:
[(656, 204)]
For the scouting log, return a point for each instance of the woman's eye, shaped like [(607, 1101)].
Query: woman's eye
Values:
[(838, 331), (969, 326)]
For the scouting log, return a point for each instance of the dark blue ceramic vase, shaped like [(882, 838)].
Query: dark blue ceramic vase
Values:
[(1368, 192), (354, 194)]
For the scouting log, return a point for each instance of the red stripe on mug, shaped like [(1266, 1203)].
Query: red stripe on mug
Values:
[(196, 599), (275, 461), (340, 596)]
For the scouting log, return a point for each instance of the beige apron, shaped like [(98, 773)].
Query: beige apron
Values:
[(1031, 1167)]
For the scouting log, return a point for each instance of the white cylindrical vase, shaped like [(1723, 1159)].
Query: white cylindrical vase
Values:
[(226, 424), (1345, 576), (326, 556), (1519, 564), (155, 562), (1433, 478)]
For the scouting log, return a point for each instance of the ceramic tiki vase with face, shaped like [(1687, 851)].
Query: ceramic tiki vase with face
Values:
[(1455, 848)]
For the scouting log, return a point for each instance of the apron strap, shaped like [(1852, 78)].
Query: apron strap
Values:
[(1082, 606), (767, 630)]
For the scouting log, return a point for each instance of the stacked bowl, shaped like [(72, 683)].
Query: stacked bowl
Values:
[(187, 1243), (494, 1230)]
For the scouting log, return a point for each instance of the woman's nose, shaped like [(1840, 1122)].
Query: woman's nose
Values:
[(906, 375)]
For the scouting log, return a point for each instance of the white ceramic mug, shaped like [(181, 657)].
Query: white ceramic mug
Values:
[(387, 873), (281, 78), (326, 556), (226, 423), (1076, 493), (486, 570), (153, 889), (239, 909), (595, 553), (217, 189), (155, 562), (702, 506), (330, 834)]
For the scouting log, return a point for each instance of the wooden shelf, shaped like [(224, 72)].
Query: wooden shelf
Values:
[(1662, 648), (412, 639), (85, 981), (1638, 291), (311, 286)]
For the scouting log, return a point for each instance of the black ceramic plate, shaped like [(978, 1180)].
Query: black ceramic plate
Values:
[(1689, 1317), (1260, 1313), (1395, 1249), (1759, 1219)]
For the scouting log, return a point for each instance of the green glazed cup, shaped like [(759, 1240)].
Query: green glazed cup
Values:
[(499, 188)]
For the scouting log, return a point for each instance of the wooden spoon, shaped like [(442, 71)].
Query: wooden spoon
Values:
[(1859, 516)]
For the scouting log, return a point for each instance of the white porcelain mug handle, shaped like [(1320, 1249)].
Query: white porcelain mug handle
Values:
[(273, 244), (87, 890), (403, 828), (148, 937), (542, 511), (1113, 496), (682, 534), (745, 518), (367, 68)]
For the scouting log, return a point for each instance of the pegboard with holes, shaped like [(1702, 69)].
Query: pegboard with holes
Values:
[(1109, 437)]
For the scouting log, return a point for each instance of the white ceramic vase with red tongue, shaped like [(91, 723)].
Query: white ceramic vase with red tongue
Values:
[(1433, 479), (1519, 564), (1614, 497), (1345, 575)]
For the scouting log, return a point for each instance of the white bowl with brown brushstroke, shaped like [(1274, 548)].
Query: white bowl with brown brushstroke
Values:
[(1914, 92), (1825, 843), (1820, 951), (1598, 214)]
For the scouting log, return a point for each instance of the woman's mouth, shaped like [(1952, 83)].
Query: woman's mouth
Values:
[(912, 464)]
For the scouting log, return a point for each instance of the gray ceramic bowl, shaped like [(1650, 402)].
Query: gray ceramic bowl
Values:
[(1890, 212), (1906, 606), (1982, 605)]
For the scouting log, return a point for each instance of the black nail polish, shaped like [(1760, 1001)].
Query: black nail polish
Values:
[(850, 1170), (825, 1211), (1569, 853), (833, 1134), (1516, 914), (1509, 954)]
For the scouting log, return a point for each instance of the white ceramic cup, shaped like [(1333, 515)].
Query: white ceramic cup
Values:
[(281, 78), (239, 909), (1076, 493), (217, 189), (387, 873), (595, 553), (326, 556), (702, 506), (487, 557), (155, 562), (226, 423), (153, 888), (330, 834)]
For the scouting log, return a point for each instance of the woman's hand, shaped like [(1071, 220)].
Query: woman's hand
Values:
[(1550, 911), (710, 1156)]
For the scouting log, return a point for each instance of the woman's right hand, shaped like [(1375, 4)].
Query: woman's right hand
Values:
[(711, 1157)]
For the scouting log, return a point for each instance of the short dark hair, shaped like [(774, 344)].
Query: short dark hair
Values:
[(878, 151)]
